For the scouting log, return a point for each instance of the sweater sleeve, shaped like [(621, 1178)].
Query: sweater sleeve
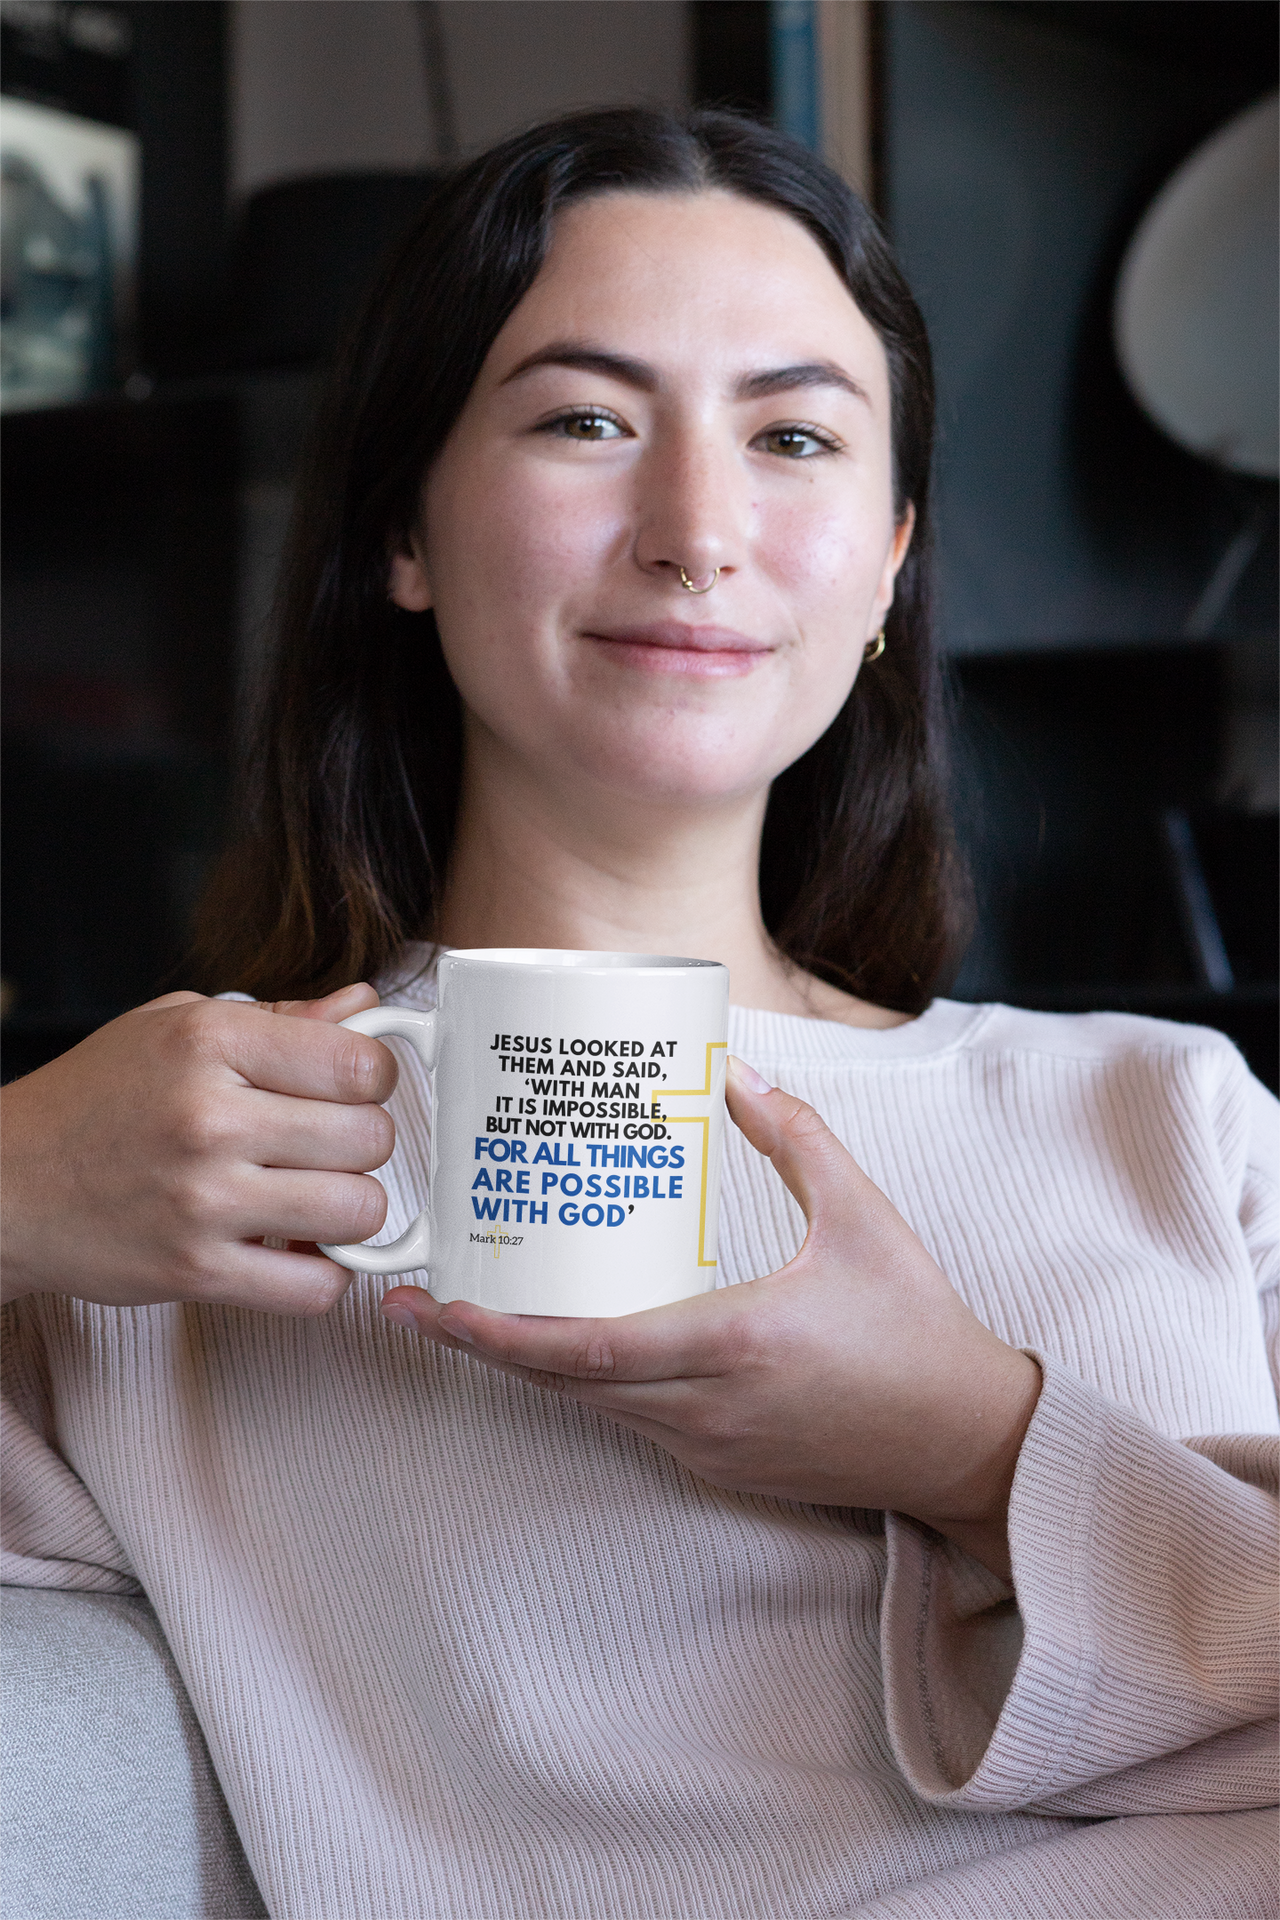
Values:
[(1136, 1670), (54, 1533), (1131, 1668)]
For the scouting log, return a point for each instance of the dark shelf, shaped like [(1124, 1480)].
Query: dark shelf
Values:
[(120, 584)]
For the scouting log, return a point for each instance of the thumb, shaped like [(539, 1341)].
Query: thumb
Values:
[(814, 1166)]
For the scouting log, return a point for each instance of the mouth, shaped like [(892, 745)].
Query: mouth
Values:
[(669, 646)]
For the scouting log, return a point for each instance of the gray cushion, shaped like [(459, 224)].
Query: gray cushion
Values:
[(111, 1807)]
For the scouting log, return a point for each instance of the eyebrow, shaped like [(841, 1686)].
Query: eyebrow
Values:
[(588, 359), (585, 358), (809, 373)]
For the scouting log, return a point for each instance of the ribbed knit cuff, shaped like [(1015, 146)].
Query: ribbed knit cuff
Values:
[(1141, 1572), (979, 1713), (54, 1533)]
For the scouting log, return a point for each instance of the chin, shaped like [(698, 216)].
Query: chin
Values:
[(668, 770)]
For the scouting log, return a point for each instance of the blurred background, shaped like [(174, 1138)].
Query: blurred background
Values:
[(1084, 198)]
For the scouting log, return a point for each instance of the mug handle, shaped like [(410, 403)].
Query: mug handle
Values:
[(421, 1030)]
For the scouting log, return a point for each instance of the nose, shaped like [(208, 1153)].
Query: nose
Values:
[(692, 511)]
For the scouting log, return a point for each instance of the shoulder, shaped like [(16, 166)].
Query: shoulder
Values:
[(1165, 1062), (1017, 1037), (1104, 1038), (1159, 1050)]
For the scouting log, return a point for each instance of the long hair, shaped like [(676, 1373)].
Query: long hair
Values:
[(352, 788)]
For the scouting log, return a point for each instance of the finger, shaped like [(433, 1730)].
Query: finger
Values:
[(296, 1282), (660, 1410), (812, 1163), (281, 1053), (332, 1208), (333, 1007), (691, 1339), (276, 1130)]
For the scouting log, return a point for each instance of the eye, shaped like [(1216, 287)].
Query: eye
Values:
[(586, 423), (797, 443)]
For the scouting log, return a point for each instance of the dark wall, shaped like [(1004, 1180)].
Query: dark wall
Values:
[(180, 90), (1021, 145)]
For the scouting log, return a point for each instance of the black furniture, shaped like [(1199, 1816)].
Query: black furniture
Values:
[(302, 252), (1106, 876), (120, 602), (140, 539)]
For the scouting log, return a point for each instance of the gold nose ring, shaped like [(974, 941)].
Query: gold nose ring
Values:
[(689, 587)]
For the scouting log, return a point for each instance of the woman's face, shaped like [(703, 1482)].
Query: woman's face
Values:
[(687, 384)]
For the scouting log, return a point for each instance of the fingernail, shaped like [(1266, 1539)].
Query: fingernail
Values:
[(454, 1332), (747, 1077), (402, 1315)]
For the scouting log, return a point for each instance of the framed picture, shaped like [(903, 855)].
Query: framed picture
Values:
[(68, 254)]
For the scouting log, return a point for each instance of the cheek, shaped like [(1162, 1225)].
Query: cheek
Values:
[(825, 559), (511, 540), (826, 556), (507, 552)]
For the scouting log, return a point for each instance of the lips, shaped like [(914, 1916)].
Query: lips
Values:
[(670, 646)]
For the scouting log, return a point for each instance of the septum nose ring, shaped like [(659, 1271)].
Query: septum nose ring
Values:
[(689, 587)]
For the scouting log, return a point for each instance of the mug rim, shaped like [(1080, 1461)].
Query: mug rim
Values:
[(563, 960)]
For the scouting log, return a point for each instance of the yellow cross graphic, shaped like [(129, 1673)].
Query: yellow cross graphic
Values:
[(695, 1120)]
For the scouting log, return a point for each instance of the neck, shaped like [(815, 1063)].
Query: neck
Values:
[(533, 867)]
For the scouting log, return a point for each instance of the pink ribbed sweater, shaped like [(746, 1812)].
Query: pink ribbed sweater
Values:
[(466, 1651)]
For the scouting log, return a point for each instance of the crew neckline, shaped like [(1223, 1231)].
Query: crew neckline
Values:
[(943, 1026)]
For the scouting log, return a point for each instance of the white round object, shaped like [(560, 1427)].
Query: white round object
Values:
[(1196, 312)]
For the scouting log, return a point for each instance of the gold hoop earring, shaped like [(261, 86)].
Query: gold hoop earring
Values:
[(874, 648), (689, 587)]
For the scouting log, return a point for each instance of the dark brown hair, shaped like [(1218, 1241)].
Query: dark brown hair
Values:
[(352, 789)]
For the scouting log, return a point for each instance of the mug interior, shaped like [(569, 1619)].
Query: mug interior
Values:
[(572, 959)]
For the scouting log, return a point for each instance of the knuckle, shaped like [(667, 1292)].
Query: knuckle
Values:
[(324, 1293), (198, 1028), (196, 1204), (595, 1358), (365, 1208), (359, 1068), (182, 997), (194, 1273), (804, 1123), (201, 1125), (378, 1135)]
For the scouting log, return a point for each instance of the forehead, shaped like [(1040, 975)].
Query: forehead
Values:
[(691, 281)]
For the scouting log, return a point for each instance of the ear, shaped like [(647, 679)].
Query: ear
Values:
[(893, 560), (407, 584)]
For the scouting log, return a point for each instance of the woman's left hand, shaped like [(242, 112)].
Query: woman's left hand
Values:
[(855, 1376)]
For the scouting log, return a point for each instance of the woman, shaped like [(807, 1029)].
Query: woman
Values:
[(869, 1587)]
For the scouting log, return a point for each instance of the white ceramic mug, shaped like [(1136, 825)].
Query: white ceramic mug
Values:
[(577, 1130)]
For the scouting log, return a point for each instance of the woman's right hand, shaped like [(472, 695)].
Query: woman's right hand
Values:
[(149, 1162)]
